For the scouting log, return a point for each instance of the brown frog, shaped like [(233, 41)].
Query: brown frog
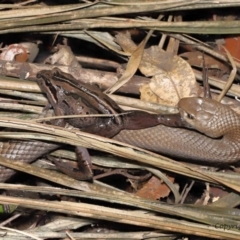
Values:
[(71, 97)]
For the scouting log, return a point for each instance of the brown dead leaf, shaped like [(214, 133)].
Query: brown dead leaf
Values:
[(196, 59), (216, 192), (156, 60), (172, 79), (232, 44), (154, 189), (148, 95)]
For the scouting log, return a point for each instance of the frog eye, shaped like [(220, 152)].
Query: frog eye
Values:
[(190, 116)]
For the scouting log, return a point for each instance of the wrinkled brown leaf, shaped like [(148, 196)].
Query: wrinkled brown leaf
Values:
[(154, 189), (196, 59), (172, 79)]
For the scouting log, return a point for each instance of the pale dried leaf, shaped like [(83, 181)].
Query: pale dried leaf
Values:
[(14, 52), (148, 95), (172, 79), (64, 56), (32, 50), (155, 60)]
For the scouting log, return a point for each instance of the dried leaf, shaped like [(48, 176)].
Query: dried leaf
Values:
[(63, 56), (14, 52), (233, 46), (132, 67), (32, 50), (155, 60), (154, 189), (196, 59), (172, 79)]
